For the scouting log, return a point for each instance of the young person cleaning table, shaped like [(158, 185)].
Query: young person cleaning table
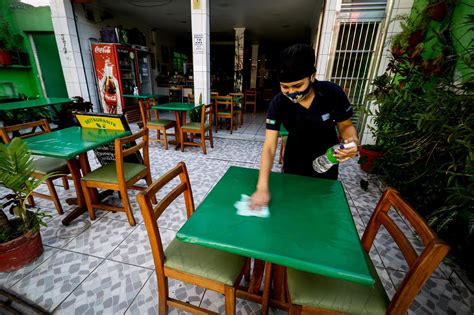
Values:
[(311, 111)]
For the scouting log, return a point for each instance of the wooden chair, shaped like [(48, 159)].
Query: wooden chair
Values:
[(283, 134), (225, 110), (160, 125), (311, 293), (199, 128), (190, 98), (202, 266), (250, 99), (43, 165), (119, 175), (239, 109)]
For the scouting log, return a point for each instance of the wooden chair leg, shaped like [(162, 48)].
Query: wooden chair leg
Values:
[(54, 195), (229, 300), (182, 141), (203, 142), (267, 284), (163, 296), (231, 124), (158, 134), (88, 199), (127, 207), (31, 201), (210, 138), (65, 183)]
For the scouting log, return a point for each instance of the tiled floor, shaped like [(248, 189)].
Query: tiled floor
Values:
[(105, 266)]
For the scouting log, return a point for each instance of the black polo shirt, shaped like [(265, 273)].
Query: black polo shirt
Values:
[(310, 131)]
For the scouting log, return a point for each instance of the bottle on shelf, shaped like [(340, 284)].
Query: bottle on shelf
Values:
[(324, 162)]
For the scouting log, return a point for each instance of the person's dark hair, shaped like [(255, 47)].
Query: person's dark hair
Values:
[(296, 63)]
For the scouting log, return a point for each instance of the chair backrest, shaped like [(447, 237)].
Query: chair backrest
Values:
[(151, 214), (190, 98), (422, 265), (145, 110), (225, 102), (126, 146), (250, 96), (42, 124), (206, 115)]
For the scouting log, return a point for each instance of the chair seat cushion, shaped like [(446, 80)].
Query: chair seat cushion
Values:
[(161, 122), (48, 165), (203, 261), (195, 126), (108, 173), (313, 290)]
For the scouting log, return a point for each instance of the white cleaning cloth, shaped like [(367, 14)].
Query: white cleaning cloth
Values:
[(243, 208)]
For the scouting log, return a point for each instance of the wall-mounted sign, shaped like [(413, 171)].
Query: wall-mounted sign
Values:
[(196, 4), (198, 43)]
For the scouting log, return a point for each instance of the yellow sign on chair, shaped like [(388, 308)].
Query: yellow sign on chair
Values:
[(100, 122)]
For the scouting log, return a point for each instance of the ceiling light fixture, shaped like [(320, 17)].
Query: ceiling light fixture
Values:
[(149, 3)]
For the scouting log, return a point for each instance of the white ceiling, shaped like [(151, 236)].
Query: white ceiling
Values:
[(275, 21)]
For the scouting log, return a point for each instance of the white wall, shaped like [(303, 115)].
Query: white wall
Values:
[(87, 30), (400, 7)]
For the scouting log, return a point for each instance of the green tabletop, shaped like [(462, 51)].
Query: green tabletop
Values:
[(145, 96), (41, 102), (70, 142), (176, 106), (310, 226)]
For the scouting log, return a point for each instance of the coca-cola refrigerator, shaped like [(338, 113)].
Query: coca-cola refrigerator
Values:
[(116, 71)]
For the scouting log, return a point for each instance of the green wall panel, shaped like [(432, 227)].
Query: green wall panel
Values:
[(50, 65)]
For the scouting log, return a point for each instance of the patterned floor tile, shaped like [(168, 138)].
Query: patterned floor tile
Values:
[(146, 302), (8, 279), (50, 283), (110, 289), (136, 250), (437, 296), (101, 238), (58, 235)]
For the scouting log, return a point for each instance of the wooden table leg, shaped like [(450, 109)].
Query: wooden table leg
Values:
[(75, 170), (73, 165), (266, 287), (279, 283), (257, 275), (178, 129)]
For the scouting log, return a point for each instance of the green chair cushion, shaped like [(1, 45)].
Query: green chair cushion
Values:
[(108, 173), (48, 165), (195, 125), (161, 122), (308, 289), (203, 261)]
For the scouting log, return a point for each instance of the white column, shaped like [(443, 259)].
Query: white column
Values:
[(239, 58), (201, 50), (253, 73), (68, 45), (328, 36)]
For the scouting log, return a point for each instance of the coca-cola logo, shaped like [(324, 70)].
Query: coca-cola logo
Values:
[(102, 50)]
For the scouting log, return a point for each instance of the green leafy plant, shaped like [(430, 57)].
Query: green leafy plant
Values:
[(16, 168), (424, 124), (195, 114)]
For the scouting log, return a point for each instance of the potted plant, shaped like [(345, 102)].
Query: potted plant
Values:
[(5, 55), (20, 239)]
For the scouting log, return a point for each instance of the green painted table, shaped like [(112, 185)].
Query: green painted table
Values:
[(41, 102), (144, 96), (310, 226), (67, 144), (180, 110)]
